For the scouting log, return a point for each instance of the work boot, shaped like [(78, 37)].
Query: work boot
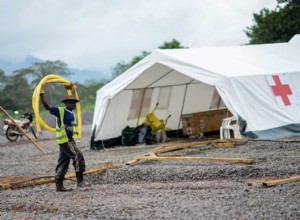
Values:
[(60, 186), (80, 181)]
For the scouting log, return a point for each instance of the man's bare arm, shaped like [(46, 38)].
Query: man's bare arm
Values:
[(44, 102)]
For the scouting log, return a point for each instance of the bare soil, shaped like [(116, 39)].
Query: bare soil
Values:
[(154, 189)]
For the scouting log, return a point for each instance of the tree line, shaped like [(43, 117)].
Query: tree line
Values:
[(275, 26), (269, 26)]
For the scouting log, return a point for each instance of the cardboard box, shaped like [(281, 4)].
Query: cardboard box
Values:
[(201, 122), (188, 124)]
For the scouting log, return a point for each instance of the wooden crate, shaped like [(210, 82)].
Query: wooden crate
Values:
[(202, 122)]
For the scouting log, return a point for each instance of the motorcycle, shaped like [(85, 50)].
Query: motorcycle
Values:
[(12, 133)]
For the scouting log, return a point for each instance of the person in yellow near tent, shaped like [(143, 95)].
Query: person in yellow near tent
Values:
[(65, 134)]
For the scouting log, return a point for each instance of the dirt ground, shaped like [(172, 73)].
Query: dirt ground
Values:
[(154, 189)]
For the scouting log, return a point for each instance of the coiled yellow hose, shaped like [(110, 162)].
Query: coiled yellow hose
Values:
[(36, 100)]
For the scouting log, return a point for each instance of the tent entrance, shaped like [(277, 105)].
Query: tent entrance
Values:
[(175, 100)]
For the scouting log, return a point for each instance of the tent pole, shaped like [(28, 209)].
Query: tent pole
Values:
[(186, 85), (140, 110), (219, 101), (141, 105)]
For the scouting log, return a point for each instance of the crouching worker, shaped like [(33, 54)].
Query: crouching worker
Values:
[(65, 124)]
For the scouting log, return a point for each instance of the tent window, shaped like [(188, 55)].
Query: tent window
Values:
[(216, 101), (140, 103), (164, 97)]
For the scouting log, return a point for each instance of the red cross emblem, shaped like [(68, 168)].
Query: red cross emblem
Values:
[(282, 90)]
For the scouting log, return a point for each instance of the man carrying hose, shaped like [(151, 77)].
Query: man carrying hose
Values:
[(65, 127)]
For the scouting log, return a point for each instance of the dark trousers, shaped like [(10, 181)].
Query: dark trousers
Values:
[(69, 151)]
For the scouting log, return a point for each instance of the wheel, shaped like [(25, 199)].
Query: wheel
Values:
[(12, 134)]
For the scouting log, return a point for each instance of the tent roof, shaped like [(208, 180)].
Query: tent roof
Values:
[(210, 65), (213, 65), (238, 60)]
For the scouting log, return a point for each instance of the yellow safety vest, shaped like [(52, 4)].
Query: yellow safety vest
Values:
[(61, 134)]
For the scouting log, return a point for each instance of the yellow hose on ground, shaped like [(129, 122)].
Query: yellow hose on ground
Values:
[(36, 100)]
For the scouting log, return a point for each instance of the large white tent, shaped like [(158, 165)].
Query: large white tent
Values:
[(259, 84)]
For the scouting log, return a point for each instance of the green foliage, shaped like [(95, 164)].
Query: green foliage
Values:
[(278, 25), (2, 75), (55, 93), (39, 70), (119, 68), (87, 94), (122, 66), (174, 44), (2, 79), (16, 93)]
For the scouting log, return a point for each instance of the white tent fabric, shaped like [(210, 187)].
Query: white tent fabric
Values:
[(260, 84)]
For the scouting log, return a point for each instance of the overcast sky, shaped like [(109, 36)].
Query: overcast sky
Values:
[(100, 33)]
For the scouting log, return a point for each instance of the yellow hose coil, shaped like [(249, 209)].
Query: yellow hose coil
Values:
[(36, 100)]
